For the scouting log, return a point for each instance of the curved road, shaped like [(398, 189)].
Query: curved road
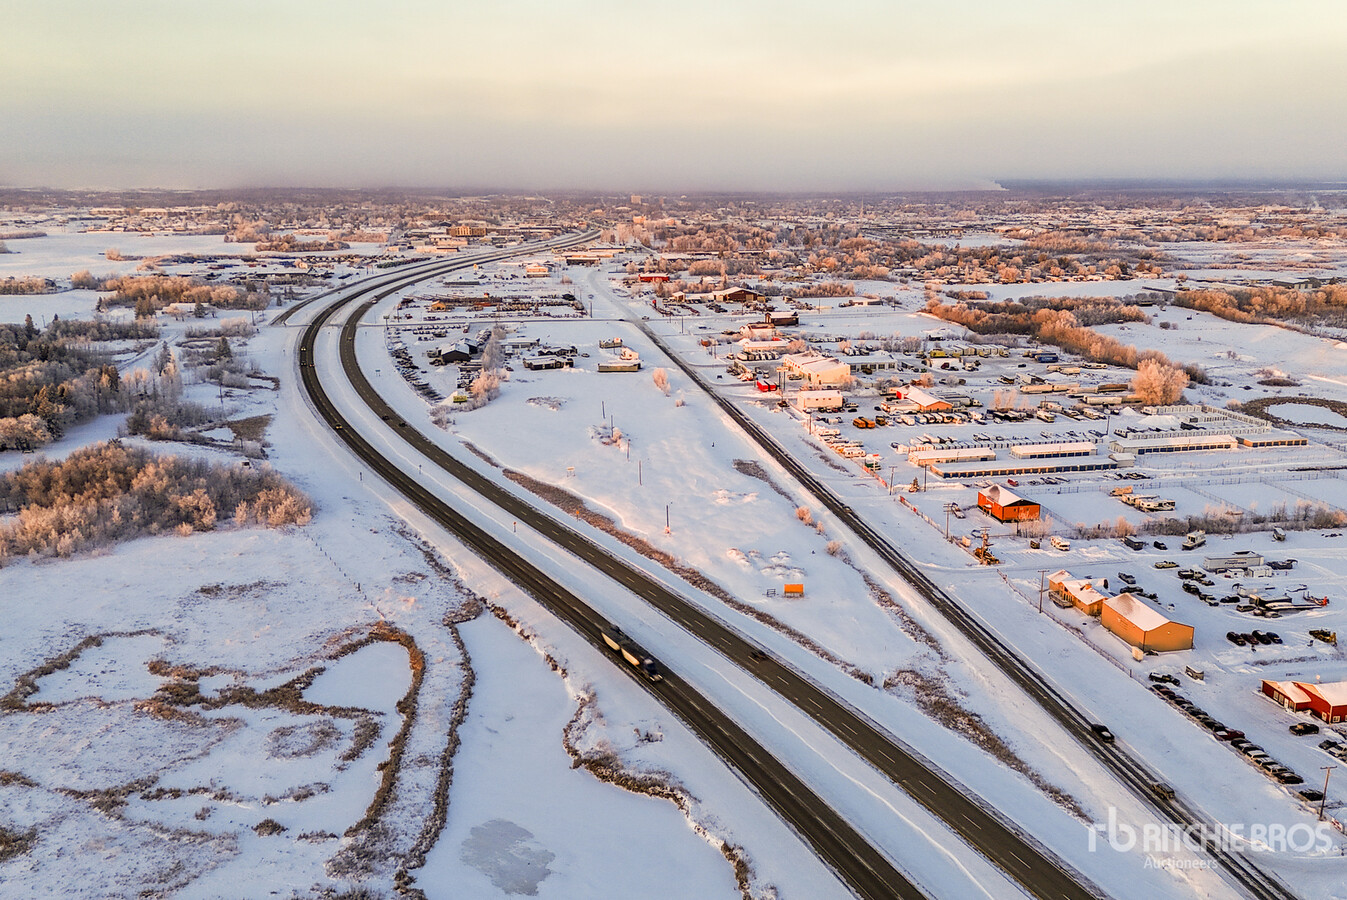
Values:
[(989, 834), (865, 869)]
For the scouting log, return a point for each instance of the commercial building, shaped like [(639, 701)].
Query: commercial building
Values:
[(1004, 505), (1063, 449), (816, 369), (1143, 627), (1323, 701), (1078, 592)]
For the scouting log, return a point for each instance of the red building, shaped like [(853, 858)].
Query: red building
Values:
[(1323, 701), (1004, 505)]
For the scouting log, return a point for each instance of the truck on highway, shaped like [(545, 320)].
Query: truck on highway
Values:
[(629, 650)]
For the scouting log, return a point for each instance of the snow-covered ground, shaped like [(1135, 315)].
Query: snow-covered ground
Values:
[(123, 796)]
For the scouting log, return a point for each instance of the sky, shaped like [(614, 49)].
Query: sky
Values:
[(692, 95)]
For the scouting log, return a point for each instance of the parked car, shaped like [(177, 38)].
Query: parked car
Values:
[(1159, 545), (1276, 638), (1235, 638), (1166, 564), (1300, 729), (1310, 795), (1125, 578), (1229, 734)]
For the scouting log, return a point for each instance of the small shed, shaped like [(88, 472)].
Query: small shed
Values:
[(1004, 505)]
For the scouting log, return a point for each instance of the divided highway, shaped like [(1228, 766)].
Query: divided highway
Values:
[(999, 841), (1127, 767), (864, 868)]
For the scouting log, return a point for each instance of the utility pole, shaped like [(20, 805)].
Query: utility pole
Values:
[(948, 508), (1041, 573), (1328, 770)]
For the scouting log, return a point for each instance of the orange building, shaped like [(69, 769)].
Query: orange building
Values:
[(1143, 627), (1004, 505)]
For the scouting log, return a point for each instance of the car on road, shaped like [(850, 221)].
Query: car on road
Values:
[(1102, 732)]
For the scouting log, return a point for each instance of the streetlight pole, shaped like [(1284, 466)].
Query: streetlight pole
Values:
[(1041, 573), (1328, 770), (666, 518)]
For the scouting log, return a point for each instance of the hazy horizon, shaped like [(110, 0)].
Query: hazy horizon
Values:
[(788, 96)]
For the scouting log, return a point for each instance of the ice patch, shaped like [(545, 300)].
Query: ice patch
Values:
[(114, 671), (504, 853)]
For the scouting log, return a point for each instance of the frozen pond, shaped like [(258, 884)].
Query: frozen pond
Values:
[(1307, 414)]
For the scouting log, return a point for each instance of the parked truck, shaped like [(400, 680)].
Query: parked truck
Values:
[(629, 650)]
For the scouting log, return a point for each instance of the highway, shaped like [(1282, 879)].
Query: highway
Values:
[(862, 867), (982, 828), (1124, 765)]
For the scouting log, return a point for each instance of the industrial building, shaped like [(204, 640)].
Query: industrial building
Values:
[(1172, 442), (1143, 627), (925, 456), (1323, 701), (1000, 468), (1272, 439), (816, 369), (1004, 505), (1044, 451)]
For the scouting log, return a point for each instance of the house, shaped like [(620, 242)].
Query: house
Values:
[(1004, 505), (785, 317), (816, 369), (1079, 592), (654, 276), (1143, 627)]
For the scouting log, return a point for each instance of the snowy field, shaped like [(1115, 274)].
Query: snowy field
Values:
[(260, 786)]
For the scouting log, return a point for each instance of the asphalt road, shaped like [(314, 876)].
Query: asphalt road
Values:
[(990, 834), (864, 868), (1126, 766)]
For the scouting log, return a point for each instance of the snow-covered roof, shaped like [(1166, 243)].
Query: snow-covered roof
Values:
[(1291, 690), (1136, 612), (1002, 496), (1333, 693)]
